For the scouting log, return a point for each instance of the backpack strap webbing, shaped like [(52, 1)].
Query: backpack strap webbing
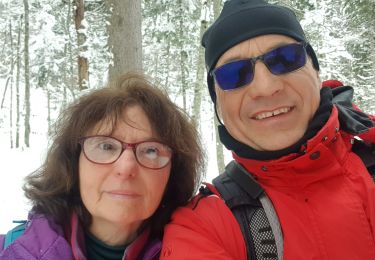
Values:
[(14, 233), (274, 224), (253, 210)]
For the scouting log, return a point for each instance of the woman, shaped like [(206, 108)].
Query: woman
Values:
[(122, 159)]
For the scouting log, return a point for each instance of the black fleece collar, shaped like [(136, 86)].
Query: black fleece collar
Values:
[(351, 120)]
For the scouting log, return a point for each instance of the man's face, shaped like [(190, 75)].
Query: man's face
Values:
[(272, 112)]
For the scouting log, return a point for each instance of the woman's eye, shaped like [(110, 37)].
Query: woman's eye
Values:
[(151, 152), (106, 146)]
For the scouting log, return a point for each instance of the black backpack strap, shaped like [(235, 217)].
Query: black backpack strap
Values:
[(366, 151), (242, 195), (243, 179), (234, 196)]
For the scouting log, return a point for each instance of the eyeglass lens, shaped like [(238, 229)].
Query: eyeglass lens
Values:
[(279, 61), (106, 150)]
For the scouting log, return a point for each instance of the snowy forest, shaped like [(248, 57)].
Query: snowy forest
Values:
[(52, 51)]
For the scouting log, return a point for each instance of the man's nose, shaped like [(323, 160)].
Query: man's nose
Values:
[(264, 83)]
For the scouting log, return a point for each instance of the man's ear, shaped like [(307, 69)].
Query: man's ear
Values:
[(319, 79), (218, 113), (217, 110), (216, 103), (317, 72)]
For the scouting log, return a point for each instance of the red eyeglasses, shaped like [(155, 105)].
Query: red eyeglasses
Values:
[(103, 149)]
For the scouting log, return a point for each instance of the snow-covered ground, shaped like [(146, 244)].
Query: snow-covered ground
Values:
[(16, 164)]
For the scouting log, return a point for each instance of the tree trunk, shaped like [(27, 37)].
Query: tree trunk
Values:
[(168, 63), (217, 6), (83, 63), (198, 87), (49, 121), (11, 85), (124, 37), (167, 57), (5, 91), (219, 149), (18, 72), (183, 54), (27, 75), (219, 146), (68, 76), (10, 75), (11, 117)]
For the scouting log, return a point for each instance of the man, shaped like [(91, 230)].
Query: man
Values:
[(292, 134)]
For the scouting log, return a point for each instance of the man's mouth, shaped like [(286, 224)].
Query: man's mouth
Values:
[(276, 112)]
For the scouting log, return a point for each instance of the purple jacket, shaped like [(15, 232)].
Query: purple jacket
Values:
[(44, 239)]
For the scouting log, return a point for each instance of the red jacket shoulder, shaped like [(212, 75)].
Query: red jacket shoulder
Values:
[(204, 229)]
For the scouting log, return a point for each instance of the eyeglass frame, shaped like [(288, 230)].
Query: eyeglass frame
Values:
[(124, 146)]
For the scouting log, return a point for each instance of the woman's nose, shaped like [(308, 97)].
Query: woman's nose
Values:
[(126, 165)]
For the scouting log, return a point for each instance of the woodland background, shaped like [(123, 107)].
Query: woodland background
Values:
[(54, 50)]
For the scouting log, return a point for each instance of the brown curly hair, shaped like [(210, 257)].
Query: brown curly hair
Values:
[(54, 188)]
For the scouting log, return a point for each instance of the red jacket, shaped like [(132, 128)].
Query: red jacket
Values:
[(325, 201)]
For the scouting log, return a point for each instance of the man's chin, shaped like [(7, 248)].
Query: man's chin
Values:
[(272, 143)]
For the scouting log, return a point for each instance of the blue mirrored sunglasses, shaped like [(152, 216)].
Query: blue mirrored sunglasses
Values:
[(279, 61)]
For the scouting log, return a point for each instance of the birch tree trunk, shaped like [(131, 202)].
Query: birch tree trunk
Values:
[(124, 36), (27, 76), (83, 63)]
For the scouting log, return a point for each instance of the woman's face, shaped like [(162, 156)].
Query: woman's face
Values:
[(121, 195)]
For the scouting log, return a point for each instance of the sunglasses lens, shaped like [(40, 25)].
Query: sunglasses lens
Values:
[(279, 61), (234, 74), (285, 59)]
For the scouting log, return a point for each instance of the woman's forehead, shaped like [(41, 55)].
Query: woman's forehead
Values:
[(131, 119), (105, 126)]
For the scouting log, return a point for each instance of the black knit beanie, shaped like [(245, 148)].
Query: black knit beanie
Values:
[(244, 19)]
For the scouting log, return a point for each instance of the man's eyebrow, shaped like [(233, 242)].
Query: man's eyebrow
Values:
[(231, 59), (280, 44)]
